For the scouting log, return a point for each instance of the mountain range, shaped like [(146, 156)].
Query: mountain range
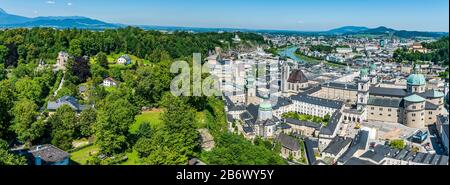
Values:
[(62, 22), (59, 22)]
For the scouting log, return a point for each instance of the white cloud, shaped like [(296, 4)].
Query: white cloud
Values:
[(51, 2), (69, 4), (35, 12)]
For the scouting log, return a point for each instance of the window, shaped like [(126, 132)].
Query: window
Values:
[(381, 109), (414, 107), (413, 120), (372, 108), (389, 115), (413, 114), (389, 110)]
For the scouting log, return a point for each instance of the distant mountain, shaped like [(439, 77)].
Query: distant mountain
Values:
[(377, 31), (401, 33), (346, 30), (6, 18), (61, 22)]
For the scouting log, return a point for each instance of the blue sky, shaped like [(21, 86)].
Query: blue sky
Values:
[(308, 15)]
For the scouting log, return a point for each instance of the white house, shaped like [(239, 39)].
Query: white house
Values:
[(124, 59), (109, 82)]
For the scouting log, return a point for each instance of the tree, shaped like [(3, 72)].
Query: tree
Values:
[(79, 67), (144, 130), (179, 119), (113, 121), (87, 120), (6, 104), (3, 54), (233, 149), (28, 88), (64, 127), (398, 144), (161, 149), (102, 60), (75, 48), (25, 123), (7, 158), (3, 73)]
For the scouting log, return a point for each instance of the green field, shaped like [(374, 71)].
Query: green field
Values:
[(112, 60), (82, 156), (152, 117)]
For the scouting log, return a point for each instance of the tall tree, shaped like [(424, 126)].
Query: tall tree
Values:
[(113, 120), (87, 120), (25, 124), (7, 158), (102, 60), (178, 141), (6, 104), (75, 48), (64, 127), (28, 88), (79, 67), (3, 73), (3, 54)]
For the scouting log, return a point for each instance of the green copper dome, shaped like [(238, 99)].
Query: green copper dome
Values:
[(416, 79), (363, 72), (415, 99), (265, 106)]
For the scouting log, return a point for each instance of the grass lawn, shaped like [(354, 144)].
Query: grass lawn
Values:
[(152, 117), (82, 156), (112, 60)]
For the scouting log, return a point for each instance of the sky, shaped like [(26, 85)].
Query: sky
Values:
[(304, 15)]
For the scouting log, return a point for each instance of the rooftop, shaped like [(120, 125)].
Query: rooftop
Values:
[(337, 145), (297, 76), (391, 92), (65, 100), (49, 153), (288, 142), (432, 94), (332, 124), (318, 101), (385, 102)]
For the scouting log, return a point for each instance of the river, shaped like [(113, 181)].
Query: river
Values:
[(290, 53)]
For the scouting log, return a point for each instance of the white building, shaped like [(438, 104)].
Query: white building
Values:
[(109, 82), (124, 60)]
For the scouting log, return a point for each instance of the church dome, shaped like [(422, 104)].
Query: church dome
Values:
[(265, 106), (415, 99), (363, 72), (416, 79)]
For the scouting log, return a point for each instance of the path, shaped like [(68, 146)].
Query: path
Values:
[(59, 87)]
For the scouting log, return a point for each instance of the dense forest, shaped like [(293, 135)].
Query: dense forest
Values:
[(27, 85)]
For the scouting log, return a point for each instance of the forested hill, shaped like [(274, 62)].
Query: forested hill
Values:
[(438, 53), (43, 43)]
